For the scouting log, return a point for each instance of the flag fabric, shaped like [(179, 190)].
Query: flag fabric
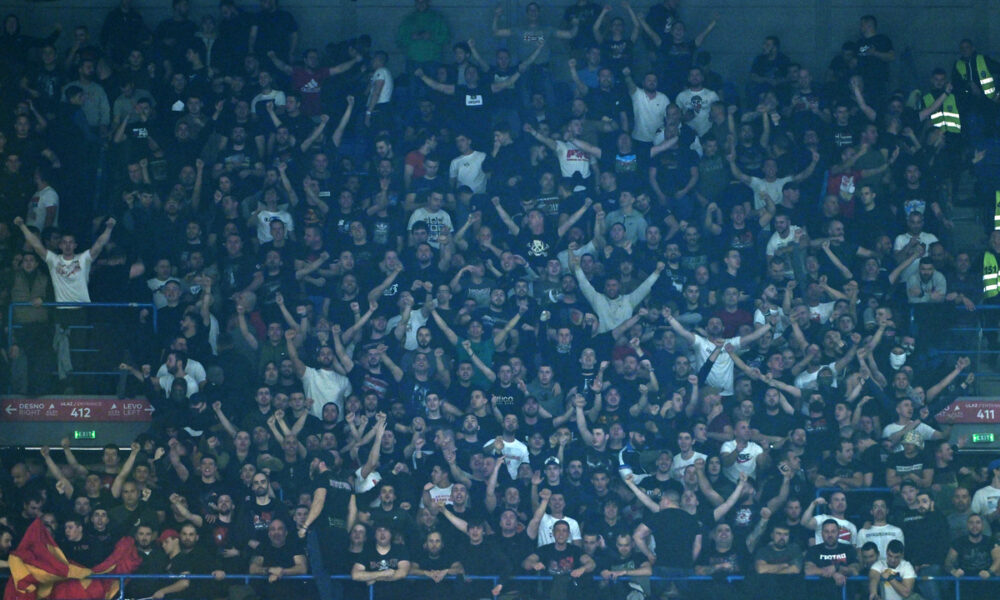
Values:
[(39, 569)]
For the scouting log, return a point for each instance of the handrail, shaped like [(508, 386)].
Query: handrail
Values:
[(873, 490), (247, 577), (11, 325), (10, 309)]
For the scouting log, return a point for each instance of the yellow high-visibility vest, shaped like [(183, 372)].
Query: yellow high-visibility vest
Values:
[(996, 212), (991, 281), (983, 75), (946, 115)]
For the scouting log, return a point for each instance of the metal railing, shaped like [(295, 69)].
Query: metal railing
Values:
[(12, 325), (496, 579)]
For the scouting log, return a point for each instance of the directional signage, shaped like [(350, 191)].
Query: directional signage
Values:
[(80, 409), (984, 411)]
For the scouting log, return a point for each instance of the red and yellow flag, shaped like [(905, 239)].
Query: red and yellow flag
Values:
[(39, 569)]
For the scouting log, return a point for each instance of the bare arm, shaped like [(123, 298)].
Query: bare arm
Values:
[(102, 239), (31, 238)]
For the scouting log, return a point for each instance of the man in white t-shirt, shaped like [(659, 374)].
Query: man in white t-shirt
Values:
[(321, 385), (695, 101), (721, 375), (986, 500), (891, 577), (43, 208), (914, 240), (905, 423), (70, 274), (467, 169), (434, 216), (784, 236), (268, 93), (740, 455), (513, 450), (573, 155), (175, 367), (879, 532), (837, 507), (544, 520), (685, 457), (69, 271), (649, 107), (380, 87), (192, 369), (770, 185)]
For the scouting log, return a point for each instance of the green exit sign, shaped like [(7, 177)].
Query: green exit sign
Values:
[(982, 438), (85, 435)]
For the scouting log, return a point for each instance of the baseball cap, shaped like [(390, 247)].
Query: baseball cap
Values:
[(552, 460), (912, 437), (995, 464), (167, 534)]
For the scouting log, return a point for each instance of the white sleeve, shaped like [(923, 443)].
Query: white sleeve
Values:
[(574, 531), (979, 503)]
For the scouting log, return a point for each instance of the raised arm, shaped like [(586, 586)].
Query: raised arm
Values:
[(444, 88), (102, 239), (653, 36), (722, 509), (737, 173), (448, 332), (123, 473), (513, 227), (62, 484), (31, 238), (641, 495), (544, 139), (629, 83), (700, 39), (536, 518), (576, 216), (678, 328), (500, 336), (497, 30), (376, 452)]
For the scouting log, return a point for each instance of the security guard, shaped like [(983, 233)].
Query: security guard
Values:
[(991, 263), (977, 71), (976, 92), (940, 105)]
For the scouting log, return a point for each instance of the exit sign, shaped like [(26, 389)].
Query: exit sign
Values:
[(85, 435)]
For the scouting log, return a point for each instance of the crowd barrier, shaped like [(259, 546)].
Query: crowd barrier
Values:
[(495, 579)]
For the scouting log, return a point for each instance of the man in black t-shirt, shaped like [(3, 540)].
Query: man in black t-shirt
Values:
[(671, 524), (254, 517), (280, 555), (335, 508), (385, 565), (778, 566), (625, 561), (723, 557), (974, 555), (874, 55), (565, 562), (435, 562), (833, 561)]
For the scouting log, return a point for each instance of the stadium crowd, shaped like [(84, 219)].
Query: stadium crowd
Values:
[(584, 308)]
